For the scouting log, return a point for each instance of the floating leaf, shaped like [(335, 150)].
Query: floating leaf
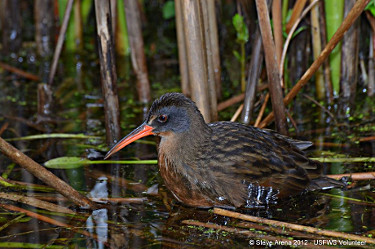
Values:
[(76, 162), (66, 163)]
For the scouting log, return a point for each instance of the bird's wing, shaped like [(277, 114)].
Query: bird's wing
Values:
[(250, 155), (302, 145)]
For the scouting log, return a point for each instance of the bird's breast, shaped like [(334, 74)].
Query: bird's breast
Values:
[(185, 190)]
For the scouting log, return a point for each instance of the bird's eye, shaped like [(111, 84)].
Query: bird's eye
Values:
[(163, 118)]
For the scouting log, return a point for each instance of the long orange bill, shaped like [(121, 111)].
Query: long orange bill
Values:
[(142, 131)]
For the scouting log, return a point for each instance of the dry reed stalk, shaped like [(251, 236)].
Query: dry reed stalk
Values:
[(306, 229)]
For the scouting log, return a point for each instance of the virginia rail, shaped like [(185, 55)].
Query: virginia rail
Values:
[(224, 163)]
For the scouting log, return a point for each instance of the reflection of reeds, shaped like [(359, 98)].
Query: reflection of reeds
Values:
[(49, 220), (124, 183)]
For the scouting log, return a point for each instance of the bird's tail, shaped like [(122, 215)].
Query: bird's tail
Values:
[(324, 182)]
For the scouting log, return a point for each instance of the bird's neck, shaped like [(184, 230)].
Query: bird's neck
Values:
[(180, 148)]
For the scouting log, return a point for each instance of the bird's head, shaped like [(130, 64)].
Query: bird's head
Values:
[(171, 114)]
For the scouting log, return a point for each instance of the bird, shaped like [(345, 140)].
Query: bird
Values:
[(225, 164)]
